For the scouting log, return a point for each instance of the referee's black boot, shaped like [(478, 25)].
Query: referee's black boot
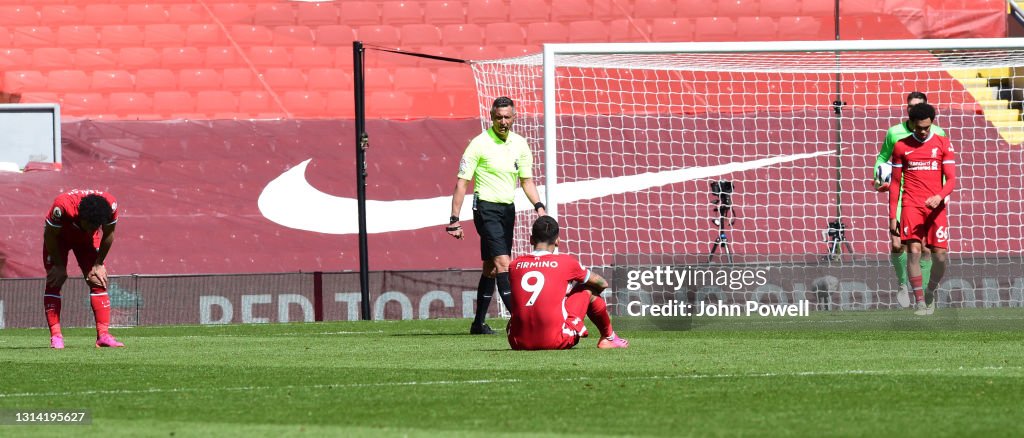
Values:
[(480, 329)]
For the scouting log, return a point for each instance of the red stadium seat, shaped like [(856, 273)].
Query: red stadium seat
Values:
[(756, 29), (359, 13), (340, 104), (540, 33), (567, 11), (71, 36), (608, 10), (221, 56), (269, 56), (18, 15), (482, 12), (251, 35), (34, 36), (802, 29), (18, 81), (61, 15), (861, 7), (714, 29), (414, 79), (186, 14), (181, 57), (324, 79), (455, 79), (317, 14), (284, 78), (104, 14), (672, 29), (335, 35), (164, 35), (206, 34), (82, 104), (105, 81), (138, 57), (738, 8), (443, 12), (381, 35), (419, 35), (254, 102), (52, 58), (590, 31), (401, 12), (121, 35), (377, 79), (650, 9), (481, 52), (235, 79), (288, 36), (824, 9), (169, 103), (274, 14), (629, 31), (232, 13), (530, 11), (40, 97), (503, 34), (195, 79), (5, 37), (63, 81), (130, 104), (155, 79), (145, 13), (781, 8), (462, 35), (313, 56), (388, 104), (214, 102), (95, 59), (304, 103)]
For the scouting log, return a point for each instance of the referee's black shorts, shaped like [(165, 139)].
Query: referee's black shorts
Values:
[(494, 222)]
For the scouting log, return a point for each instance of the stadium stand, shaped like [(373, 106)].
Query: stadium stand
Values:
[(225, 38)]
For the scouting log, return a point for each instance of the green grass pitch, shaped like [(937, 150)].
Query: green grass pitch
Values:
[(958, 374)]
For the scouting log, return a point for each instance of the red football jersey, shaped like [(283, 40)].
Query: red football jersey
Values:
[(64, 214), (540, 283), (921, 165)]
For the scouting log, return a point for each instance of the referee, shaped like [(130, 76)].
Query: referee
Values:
[(496, 159)]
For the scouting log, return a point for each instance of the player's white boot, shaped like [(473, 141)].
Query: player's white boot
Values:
[(903, 296), (921, 309)]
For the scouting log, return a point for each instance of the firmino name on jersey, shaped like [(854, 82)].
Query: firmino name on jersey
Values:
[(537, 264)]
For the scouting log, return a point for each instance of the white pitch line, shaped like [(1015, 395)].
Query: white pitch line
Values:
[(501, 381)]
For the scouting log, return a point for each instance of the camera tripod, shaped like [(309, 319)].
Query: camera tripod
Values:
[(722, 191), (836, 239)]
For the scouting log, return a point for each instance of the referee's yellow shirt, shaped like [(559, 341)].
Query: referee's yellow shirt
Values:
[(497, 165)]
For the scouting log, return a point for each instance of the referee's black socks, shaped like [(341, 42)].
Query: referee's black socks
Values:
[(484, 293), (505, 290)]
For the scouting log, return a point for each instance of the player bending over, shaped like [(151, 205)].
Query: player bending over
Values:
[(551, 293), (73, 224), (924, 169)]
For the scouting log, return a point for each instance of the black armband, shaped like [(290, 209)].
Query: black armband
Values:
[(538, 206), (452, 219)]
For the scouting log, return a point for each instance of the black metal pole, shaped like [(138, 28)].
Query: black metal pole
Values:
[(362, 142), (837, 106)]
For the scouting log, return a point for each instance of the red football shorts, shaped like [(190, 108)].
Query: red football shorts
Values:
[(557, 338), (928, 226)]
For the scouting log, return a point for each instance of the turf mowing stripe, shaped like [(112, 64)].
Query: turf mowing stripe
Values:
[(504, 381)]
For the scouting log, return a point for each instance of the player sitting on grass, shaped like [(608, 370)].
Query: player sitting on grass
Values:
[(551, 293), (924, 168)]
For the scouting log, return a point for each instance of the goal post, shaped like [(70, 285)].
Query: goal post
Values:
[(633, 142)]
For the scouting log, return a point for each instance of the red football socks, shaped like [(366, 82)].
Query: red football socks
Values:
[(915, 283), (598, 314), (101, 310), (51, 302)]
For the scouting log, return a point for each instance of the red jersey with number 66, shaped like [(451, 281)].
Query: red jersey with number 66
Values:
[(64, 215), (540, 283)]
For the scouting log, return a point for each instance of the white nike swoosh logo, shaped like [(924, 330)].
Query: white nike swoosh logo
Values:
[(290, 200)]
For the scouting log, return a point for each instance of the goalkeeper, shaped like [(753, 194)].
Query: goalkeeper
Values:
[(897, 252)]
